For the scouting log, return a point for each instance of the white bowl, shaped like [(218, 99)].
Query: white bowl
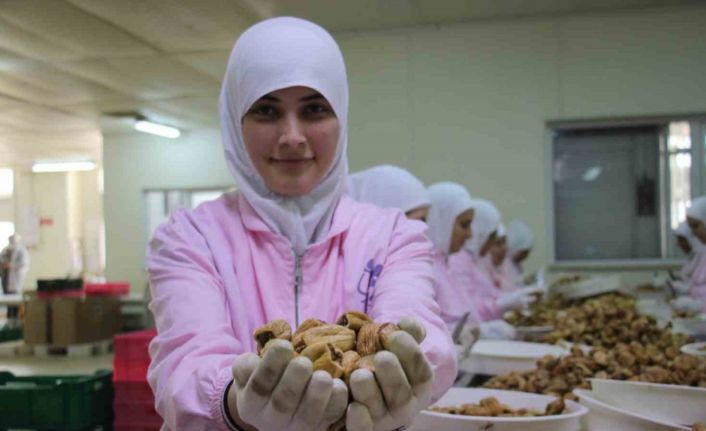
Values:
[(665, 403), (695, 327), (603, 416), (493, 357), (584, 288), (696, 349), (569, 421)]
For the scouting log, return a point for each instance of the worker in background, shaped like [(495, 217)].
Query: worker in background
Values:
[(465, 271), (692, 295), (390, 186), (495, 263), (451, 218), (691, 247), (289, 244), (520, 242), (14, 264)]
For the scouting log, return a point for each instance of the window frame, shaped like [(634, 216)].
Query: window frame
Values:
[(697, 187)]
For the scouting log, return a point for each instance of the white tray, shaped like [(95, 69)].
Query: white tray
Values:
[(696, 349), (584, 288), (431, 421), (493, 357)]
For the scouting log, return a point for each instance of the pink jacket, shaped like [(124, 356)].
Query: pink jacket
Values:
[(218, 272), (453, 303), (467, 277), (503, 280), (697, 281)]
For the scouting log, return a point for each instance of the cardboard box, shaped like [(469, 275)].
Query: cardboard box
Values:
[(84, 320), (36, 322)]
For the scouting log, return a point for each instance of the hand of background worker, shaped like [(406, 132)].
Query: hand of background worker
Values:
[(399, 388), (468, 337), (679, 287), (516, 300), (688, 304), (280, 392), (497, 330)]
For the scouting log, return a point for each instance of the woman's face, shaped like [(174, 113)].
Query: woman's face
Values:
[(697, 228), (684, 245), (291, 137), (520, 256), (498, 251), (488, 243), (420, 214), (461, 231)]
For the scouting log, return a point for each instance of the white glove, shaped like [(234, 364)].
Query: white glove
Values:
[(280, 392), (516, 300), (468, 337), (688, 304), (680, 288), (399, 388), (497, 330)]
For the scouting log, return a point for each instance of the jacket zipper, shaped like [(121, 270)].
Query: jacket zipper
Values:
[(297, 285)]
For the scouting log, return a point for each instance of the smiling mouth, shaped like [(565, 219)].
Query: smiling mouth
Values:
[(292, 161)]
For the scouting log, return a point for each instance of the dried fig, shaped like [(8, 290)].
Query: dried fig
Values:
[(278, 329)]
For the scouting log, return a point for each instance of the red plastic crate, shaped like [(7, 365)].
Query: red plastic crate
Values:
[(130, 371), (132, 391), (112, 288), (132, 357), (136, 413)]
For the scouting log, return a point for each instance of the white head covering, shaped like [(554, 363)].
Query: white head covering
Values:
[(486, 221), (519, 237), (684, 230), (448, 201), (697, 209), (388, 186), (502, 231), (271, 55)]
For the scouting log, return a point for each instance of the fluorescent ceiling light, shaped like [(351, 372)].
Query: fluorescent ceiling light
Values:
[(592, 174), (65, 166), (157, 129)]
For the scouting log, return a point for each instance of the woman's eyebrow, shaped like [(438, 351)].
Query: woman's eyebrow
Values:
[(269, 98), (311, 97)]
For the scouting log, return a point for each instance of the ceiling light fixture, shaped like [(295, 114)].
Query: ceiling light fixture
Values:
[(63, 166), (145, 126)]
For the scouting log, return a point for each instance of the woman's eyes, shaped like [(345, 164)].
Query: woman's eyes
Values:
[(264, 111), (316, 110)]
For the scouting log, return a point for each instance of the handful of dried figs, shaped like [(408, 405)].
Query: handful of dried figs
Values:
[(338, 349), (490, 406)]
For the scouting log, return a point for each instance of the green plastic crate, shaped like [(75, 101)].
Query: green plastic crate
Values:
[(10, 334), (60, 403)]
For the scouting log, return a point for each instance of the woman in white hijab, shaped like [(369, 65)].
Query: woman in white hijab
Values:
[(465, 270), (451, 216), (389, 186), (693, 293), (519, 242), (289, 245)]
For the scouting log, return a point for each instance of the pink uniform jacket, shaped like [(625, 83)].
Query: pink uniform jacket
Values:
[(697, 280), (467, 277), (218, 272), (501, 276)]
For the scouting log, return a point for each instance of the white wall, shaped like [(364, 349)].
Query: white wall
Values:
[(465, 102), (135, 162)]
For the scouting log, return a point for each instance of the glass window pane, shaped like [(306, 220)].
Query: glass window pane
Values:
[(606, 194)]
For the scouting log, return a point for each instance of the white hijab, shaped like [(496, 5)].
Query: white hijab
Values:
[(271, 55), (684, 230), (448, 201), (519, 237), (485, 222), (697, 209), (388, 186)]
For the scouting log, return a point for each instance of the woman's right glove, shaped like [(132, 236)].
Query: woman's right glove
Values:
[(280, 392)]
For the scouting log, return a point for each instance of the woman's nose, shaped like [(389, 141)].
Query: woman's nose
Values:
[(292, 131)]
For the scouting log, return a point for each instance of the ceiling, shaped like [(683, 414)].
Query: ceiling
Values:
[(64, 64)]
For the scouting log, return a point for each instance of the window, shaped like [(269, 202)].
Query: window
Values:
[(620, 189), (159, 204), (7, 183)]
